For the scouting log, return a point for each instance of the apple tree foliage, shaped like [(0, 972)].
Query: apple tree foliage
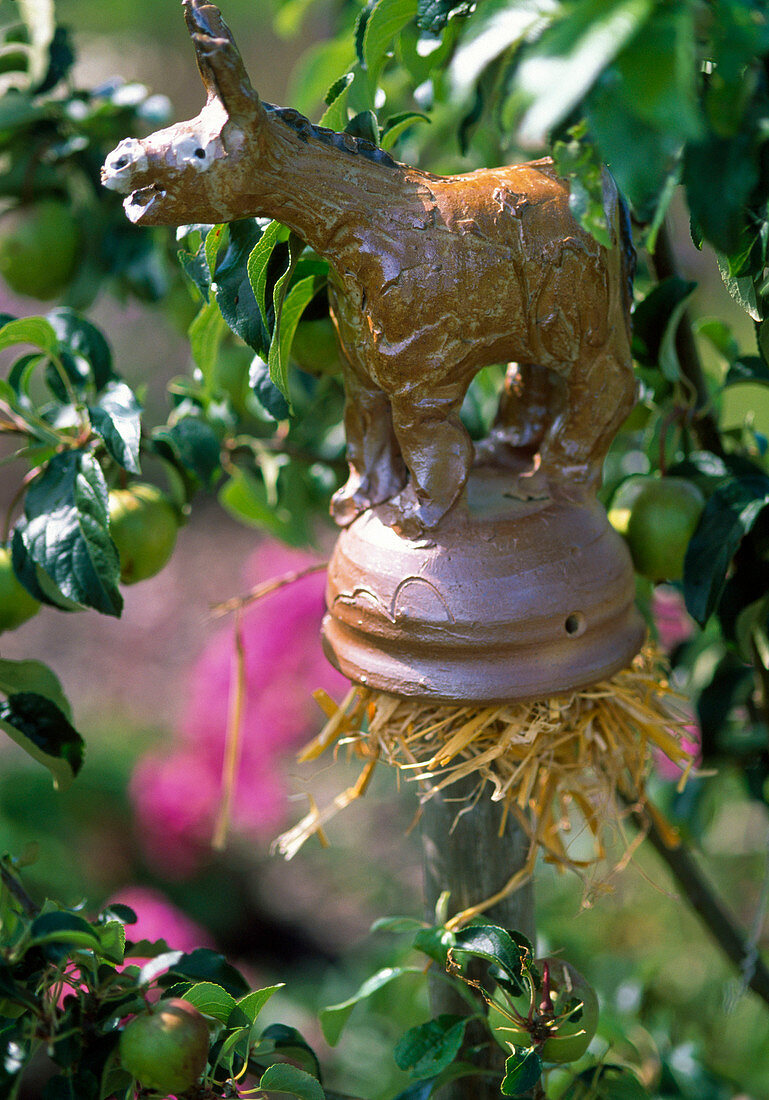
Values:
[(673, 95)]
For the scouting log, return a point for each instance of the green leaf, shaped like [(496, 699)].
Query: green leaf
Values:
[(386, 20), (66, 532), (258, 263), (205, 965), (433, 15), (720, 175), (245, 497), (294, 1081), (112, 941), (742, 289), (253, 1003), (43, 730), (287, 318), (83, 340), (497, 26), (233, 287), (334, 1017), (63, 928), (748, 368), (29, 330), (560, 68), (192, 444), (397, 924), (205, 335), (609, 1082), (116, 419), (278, 1041), (16, 676), (655, 323), (522, 1071), (426, 1050), (727, 517), (266, 392), (511, 952), (398, 124), (211, 1000)]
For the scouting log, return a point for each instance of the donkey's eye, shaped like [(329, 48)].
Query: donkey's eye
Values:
[(200, 153)]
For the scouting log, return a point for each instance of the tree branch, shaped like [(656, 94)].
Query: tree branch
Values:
[(721, 925)]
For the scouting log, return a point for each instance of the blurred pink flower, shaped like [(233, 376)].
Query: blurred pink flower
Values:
[(160, 919), (176, 794), (671, 618), (691, 743)]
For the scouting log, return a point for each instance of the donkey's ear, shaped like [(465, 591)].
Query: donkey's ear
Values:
[(220, 64)]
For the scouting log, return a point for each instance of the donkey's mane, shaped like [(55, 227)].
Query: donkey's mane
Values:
[(345, 143)]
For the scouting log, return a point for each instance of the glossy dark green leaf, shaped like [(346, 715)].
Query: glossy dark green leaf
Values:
[(522, 1071), (233, 287), (610, 1083), (656, 319), (279, 1041), (426, 1050), (748, 368), (720, 175), (727, 517), (204, 965), (192, 444), (510, 952), (65, 532), (81, 338), (36, 677), (266, 392), (116, 419), (292, 1080), (42, 729), (433, 15)]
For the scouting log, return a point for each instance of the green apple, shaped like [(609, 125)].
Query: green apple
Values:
[(39, 248), (559, 1019), (663, 518), (143, 523), (16, 604), (166, 1048)]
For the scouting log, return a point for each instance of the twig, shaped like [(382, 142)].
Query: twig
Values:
[(732, 940), (266, 588), (704, 424), (14, 886)]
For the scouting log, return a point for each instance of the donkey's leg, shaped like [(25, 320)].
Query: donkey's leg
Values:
[(530, 401), (600, 392), (438, 453), (377, 471)]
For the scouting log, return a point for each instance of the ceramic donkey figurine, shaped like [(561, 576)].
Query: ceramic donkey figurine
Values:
[(432, 278)]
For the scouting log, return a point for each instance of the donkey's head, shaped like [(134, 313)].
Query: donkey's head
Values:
[(196, 171)]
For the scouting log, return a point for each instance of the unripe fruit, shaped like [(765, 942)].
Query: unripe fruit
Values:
[(166, 1048), (663, 518), (16, 604), (315, 347), (143, 523), (562, 1030), (39, 246)]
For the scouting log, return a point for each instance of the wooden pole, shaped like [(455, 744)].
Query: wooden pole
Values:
[(465, 854)]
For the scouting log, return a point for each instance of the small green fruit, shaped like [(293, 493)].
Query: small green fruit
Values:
[(166, 1049), (663, 518), (39, 247), (16, 604), (315, 347), (143, 523), (560, 1030)]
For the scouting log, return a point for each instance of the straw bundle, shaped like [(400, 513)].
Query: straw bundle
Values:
[(578, 758)]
